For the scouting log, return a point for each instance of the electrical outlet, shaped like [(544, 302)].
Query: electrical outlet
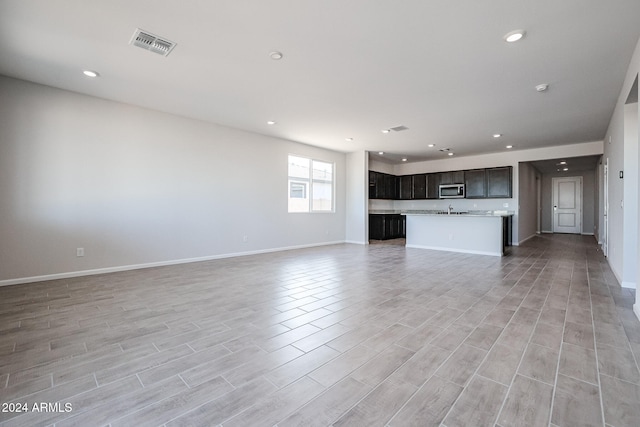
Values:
[(505, 205), (80, 252), (450, 236), (245, 239)]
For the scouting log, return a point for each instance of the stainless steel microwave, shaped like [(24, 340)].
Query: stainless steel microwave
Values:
[(452, 191)]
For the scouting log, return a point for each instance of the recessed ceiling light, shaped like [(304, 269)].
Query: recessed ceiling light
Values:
[(509, 146), (431, 145), (562, 163), (271, 122), (348, 139), (450, 154), (565, 169), (514, 36), (497, 135), (542, 87), (385, 131), (404, 159), (276, 56), (90, 73)]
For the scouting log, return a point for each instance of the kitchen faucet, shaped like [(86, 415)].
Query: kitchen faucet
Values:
[(450, 209)]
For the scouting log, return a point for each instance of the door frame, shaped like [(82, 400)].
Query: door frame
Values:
[(538, 204), (553, 198), (605, 233)]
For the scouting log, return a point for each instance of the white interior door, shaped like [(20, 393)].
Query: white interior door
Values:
[(567, 205)]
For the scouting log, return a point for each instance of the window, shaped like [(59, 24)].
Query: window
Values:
[(310, 185), (298, 190)]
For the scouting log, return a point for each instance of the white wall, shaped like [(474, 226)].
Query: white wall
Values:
[(137, 187), (357, 185), (614, 151), (379, 166), (528, 190), (507, 158)]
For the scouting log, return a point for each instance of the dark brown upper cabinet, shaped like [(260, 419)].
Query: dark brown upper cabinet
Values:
[(479, 183), (433, 184), (415, 186), (406, 187), (453, 177), (499, 182), (419, 186), (383, 185), (475, 184)]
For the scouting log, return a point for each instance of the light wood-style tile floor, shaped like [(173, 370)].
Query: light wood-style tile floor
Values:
[(341, 335)]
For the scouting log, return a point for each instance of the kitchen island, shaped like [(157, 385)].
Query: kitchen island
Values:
[(475, 232)]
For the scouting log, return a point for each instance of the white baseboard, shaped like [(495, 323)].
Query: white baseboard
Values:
[(615, 273), (116, 269), (551, 232), (356, 242), (525, 239), (628, 285), (636, 310)]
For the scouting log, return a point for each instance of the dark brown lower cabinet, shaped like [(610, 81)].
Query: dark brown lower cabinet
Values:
[(386, 226)]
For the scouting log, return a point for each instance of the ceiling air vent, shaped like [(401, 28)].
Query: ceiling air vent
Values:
[(148, 41), (399, 128)]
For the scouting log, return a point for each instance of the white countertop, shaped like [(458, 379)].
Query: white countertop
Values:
[(474, 213)]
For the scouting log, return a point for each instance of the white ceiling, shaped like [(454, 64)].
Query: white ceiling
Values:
[(573, 164), (350, 68)]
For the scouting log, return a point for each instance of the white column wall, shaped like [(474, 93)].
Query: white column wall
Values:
[(357, 224), (630, 197)]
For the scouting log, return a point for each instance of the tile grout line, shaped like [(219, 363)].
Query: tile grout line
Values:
[(399, 367), (441, 364), (532, 290), (636, 359), (595, 345), (493, 345), (524, 352), (564, 324)]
